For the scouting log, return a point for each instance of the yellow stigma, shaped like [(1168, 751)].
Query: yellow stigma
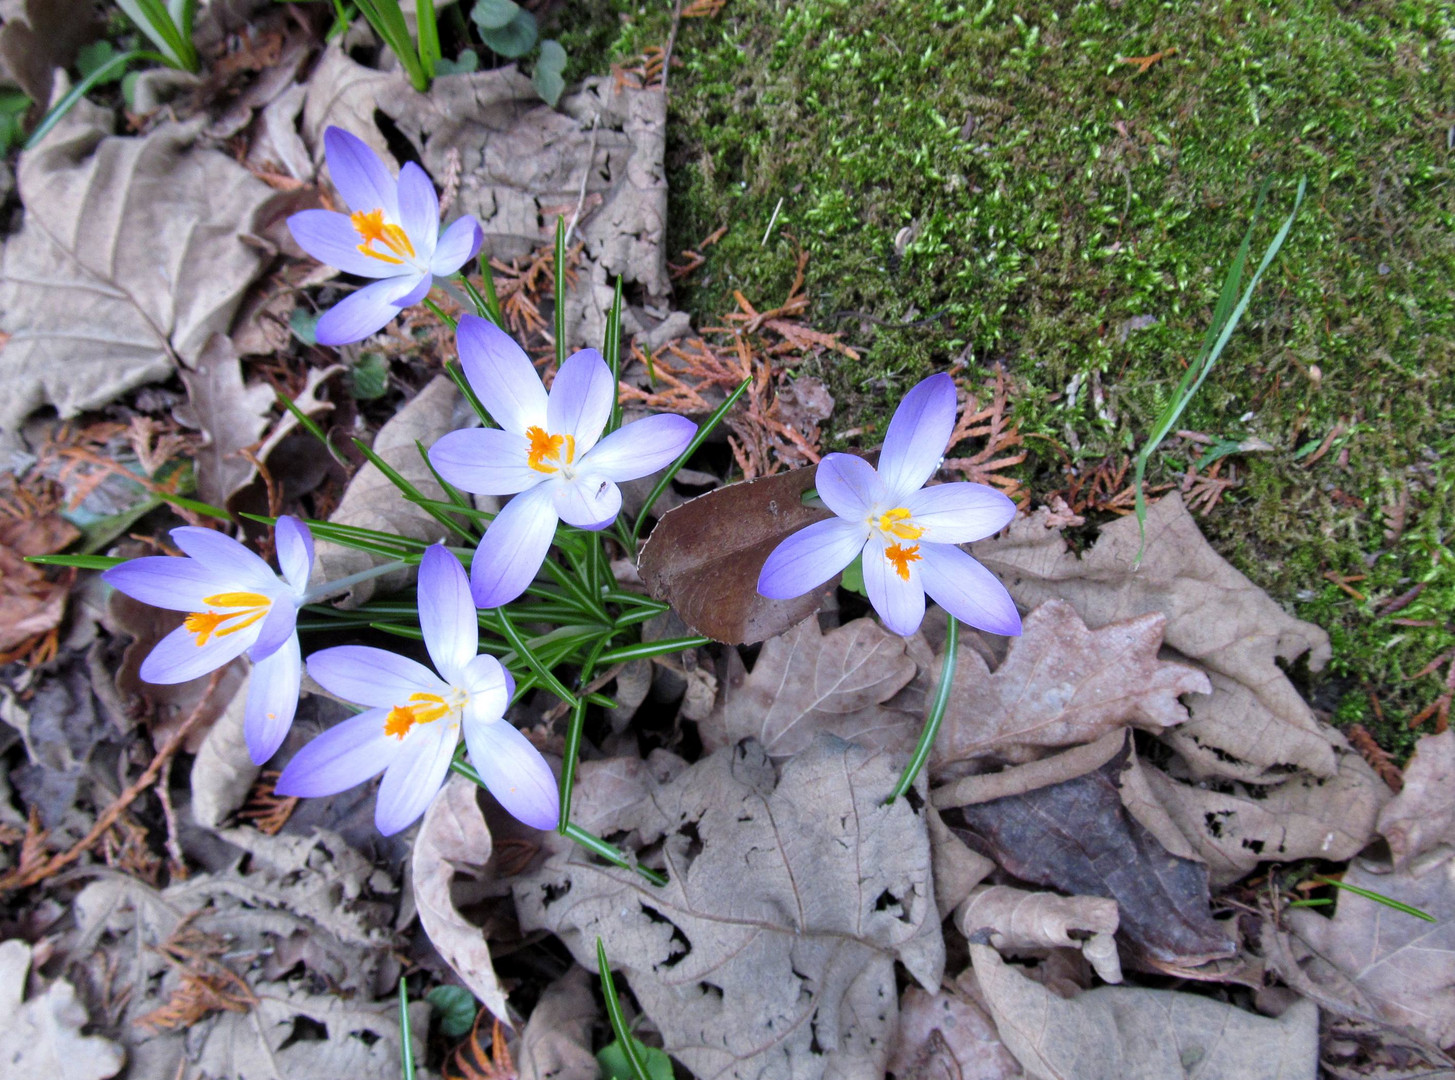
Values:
[(250, 608), (422, 709), (372, 229), (547, 448), (897, 522), (901, 557)]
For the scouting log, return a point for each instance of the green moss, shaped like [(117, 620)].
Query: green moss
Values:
[(995, 162)]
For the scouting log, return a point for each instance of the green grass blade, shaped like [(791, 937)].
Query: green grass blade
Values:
[(82, 88), (406, 1046), (429, 36), (644, 649), (936, 714), (80, 562), (573, 732), (1380, 898), (308, 425), (612, 345), (560, 272), (624, 1037), (412, 493), (532, 661)]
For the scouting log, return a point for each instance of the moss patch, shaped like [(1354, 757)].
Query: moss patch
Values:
[(996, 165)]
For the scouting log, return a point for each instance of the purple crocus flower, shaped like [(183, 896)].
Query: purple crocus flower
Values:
[(235, 604), (547, 452), (414, 716), (393, 234), (907, 532)]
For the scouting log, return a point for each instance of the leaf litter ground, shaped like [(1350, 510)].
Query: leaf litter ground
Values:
[(807, 930)]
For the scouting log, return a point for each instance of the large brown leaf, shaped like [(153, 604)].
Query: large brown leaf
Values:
[(948, 1036), (1127, 1033), (1254, 725), (231, 415), (771, 952), (130, 257), (1077, 836), (1423, 814), (1017, 919), (41, 1038)]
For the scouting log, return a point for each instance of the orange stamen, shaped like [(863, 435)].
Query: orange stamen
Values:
[(901, 557), (422, 709), (251, 607), (897, 522), (545, 447), (372, 229)]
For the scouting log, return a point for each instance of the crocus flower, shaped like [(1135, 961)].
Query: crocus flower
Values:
[(907, 532), (414, 716), (235, 604), (393, 234), (547, 452)]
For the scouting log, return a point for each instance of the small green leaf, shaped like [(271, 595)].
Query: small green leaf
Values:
[(369, 378), (614, 1064), (853, 579), (128, 88), (548, 75), (304, 324), (515, 38), (95, 56), (456, 1007), (13, 106), (468, 61), (494, 14)]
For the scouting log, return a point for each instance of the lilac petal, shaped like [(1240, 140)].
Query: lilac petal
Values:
[(501, 375), (419, 211), (166, 582), (967, 590), (918, 435), (272, 700), (415, 776), (513, 548), (959, 513), (515, 773), (277, 627), (332, 239), (810, 557), (900, 603), (359, 175), (413, 291), (485, 461), (371, 676), (848, 485), (447, 614), (359, 314), (640, 448), (177, 658), (459, 244), (228, 560), (295, 551), (346, 754), (580, 399), (587, 502), (490, 688)]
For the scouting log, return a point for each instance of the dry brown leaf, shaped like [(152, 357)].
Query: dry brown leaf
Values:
[(1062, 684), (806, 683), (556, 1041), (772, 950), (957, 868), (231, 415), (30, 602), (1015, 919), (1422, 816), (454, 835), (41, 1039), (1127, 1033), (948, 1036), (1403, 967), (40, 36), (1255, 724), (137, 242)]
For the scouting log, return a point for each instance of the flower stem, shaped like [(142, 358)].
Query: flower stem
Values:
[(936, 714), (329, 589)]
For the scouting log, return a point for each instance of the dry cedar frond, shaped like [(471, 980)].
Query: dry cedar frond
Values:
[(993, 424), (268, 811), (1440, 707), (695, 256), (646, 72), (208, 985), (703, 9), (469, 1061), (1202, 493), (522, 283), (125, 847), (1377, 757), (1101, 490)]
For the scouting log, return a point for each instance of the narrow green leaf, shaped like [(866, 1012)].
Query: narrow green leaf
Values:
[(532, 661), (81, 562), (624, 1037), (642, 650), (612, 345), (406, 1044), (429, 36), (559, 270), (1380, 898)]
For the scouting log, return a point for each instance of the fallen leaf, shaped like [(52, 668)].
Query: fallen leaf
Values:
[(1403, 967), (1254, 725), (30, 602), (1017, 920), (41, 1039), (1077, 836), (957, 868), (42, 35), (230, 414), (1131, 1033), (136, 240), (772, 949), (556, 1041), (1422, 816), (1062, 684), (806, 683), (947, 1036), (454, 835), (704, 558)]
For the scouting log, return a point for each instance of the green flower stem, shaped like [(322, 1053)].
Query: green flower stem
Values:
[(936, 713), (624, 1036), (645, 649), (529, 658), (573, 731), (697, 440), (406, 1046), (330, 589)]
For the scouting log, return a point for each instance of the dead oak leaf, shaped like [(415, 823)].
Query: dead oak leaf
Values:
[(1423, 814), (41, 1038), (771, 952)]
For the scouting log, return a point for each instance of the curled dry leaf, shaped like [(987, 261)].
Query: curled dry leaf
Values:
[(454, 834), (1422, 816), (40, 36), (556, 1041), (1127, 1033), (1015, 919), (1254, 725), (1077, 836), (136, 240), (704, 558), (771, 952), (948, 1036), (41, 1038), (231, 416), (1062, 684)]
